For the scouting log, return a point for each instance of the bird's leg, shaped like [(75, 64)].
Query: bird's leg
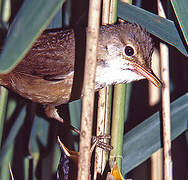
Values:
[(51, 112)]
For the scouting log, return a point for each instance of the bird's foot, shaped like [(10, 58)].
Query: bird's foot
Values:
[(51, 112), (97, 140)]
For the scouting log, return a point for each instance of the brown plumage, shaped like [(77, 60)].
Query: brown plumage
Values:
[(48, 74)]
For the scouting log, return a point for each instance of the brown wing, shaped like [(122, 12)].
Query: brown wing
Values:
[(52, 55)]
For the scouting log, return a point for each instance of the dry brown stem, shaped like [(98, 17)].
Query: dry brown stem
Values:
[(165, 105), (88, 90)]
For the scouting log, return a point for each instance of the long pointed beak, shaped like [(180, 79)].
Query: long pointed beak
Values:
[(148, 75)]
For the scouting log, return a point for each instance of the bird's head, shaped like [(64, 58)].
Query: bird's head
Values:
[(124, 55)]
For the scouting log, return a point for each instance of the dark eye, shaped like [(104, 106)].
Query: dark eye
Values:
[(129, 51)]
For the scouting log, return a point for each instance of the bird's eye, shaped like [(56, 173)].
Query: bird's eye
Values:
[(129, 51)]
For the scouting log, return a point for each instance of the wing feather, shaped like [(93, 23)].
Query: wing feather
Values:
[(52, 55)]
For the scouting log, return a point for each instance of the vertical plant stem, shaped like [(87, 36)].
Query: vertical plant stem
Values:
[(6, 10), (166, 115), (88, 90), (165, 105), (103, 127), (104, 101), (154, 99), (105, 12), (118, 117), (113, 11), (3, 104), (26, 167), (11, 173)]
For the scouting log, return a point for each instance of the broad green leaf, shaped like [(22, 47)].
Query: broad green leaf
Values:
[(12, 134), (143, 140), (156, 25), (180, 8), (75, 117), (4, 170), (30, 21), (38, 140), (39, 135)]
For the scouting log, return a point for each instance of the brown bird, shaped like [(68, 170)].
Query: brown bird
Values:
[(48, 73)]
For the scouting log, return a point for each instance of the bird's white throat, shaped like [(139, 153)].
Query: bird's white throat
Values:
[(115, 72)]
